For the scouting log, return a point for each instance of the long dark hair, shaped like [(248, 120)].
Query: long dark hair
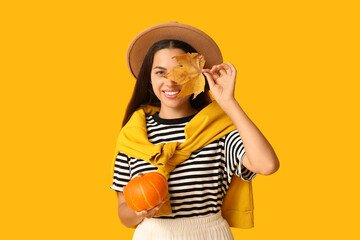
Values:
[(144, 95)]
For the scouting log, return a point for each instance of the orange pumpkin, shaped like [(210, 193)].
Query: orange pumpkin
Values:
[(145, 191)]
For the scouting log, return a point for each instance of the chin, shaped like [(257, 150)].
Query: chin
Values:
[(175, 103)]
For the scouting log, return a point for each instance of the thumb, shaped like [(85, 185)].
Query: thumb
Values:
[(209, 79)]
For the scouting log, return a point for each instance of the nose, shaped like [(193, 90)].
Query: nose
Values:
[(170, 82)]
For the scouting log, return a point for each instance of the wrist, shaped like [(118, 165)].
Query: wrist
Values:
[(228, 105)]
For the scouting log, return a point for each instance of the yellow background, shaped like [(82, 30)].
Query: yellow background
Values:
[(65, 86)]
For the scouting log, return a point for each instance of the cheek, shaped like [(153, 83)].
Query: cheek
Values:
[(153, 79), (155, 82), (155, 86)]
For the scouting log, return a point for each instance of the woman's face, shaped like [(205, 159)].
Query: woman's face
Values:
[(165, 89)]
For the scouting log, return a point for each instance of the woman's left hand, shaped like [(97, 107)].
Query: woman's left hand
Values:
[(221, 79)]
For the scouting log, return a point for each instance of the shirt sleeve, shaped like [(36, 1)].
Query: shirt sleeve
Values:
[(234, 154), (121, 172)]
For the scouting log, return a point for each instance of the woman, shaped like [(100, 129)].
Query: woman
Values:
[(208, 131)]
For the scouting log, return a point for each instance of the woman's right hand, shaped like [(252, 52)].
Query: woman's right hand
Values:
[(150, 212), (131, 218)]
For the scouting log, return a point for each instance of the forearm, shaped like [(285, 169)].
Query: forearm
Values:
[(128, 217), (131, 218), (260, 154)]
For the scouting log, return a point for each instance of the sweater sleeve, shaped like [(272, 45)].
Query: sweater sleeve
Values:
[(234, 154), (121, 172)]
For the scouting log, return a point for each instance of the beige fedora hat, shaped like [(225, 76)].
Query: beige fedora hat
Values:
[(196, 38)]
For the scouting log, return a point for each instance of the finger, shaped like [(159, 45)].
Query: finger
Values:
[(215, 68), (142, 213), (223, 72), (154, 211), (232, 67), (150, 215), (221, 66), (161, 204), (157, 207), (215, 76), (219, 69), (227, 68), (147, 213), (213, 72), (210, 79)]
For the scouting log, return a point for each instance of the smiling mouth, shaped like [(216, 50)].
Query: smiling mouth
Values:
[(171, 93)]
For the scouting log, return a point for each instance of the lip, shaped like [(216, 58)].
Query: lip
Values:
[(171, 91)]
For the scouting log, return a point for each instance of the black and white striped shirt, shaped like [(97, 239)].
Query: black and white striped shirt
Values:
[(198, 185)]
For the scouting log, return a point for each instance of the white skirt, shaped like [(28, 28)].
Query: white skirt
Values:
[(212, 226)]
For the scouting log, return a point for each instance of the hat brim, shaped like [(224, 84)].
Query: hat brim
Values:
[(199, 40)]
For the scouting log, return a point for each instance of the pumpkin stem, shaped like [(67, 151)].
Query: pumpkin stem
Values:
[(140, 174)]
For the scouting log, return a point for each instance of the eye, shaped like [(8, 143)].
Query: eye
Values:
[(160, 73)]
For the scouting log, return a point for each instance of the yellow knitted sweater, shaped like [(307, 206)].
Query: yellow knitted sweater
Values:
[(206, 126)]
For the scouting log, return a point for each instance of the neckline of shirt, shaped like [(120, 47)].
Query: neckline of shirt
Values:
[(171, 121)]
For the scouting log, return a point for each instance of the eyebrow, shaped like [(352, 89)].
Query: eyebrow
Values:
[(159, 67)]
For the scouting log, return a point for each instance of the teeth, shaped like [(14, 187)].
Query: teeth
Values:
[(171, 93)]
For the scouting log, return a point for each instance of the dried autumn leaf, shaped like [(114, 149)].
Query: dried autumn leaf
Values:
[(189, 73)]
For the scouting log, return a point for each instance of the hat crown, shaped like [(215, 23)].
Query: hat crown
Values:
[(196, 38)]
